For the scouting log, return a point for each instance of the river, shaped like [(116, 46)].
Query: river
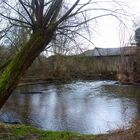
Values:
[(88, 107)]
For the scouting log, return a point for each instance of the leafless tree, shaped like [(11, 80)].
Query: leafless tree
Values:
[(46, 19)]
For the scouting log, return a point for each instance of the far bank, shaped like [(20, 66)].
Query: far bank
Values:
[(65, 68)]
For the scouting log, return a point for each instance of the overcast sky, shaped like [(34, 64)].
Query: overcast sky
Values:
[(110, 34)]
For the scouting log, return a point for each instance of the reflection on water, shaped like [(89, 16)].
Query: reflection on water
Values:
[(88, 107)]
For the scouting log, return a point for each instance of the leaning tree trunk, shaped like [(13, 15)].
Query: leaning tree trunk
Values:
[(19, 64)]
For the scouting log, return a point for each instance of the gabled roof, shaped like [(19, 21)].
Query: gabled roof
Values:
[(110, 51), (106, 51)]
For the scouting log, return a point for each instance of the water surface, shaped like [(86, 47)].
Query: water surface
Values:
[(89, 107)]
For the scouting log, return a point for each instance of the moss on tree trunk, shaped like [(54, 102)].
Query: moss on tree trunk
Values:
[(20, 63)]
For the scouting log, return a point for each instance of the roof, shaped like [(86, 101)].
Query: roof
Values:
[(110, 51)]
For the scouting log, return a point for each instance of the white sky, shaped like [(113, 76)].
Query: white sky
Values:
[(110, 34)]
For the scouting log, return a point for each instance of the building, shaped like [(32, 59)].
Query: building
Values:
[(124, 61)]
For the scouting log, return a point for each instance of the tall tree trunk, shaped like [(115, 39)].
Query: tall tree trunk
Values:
[(23, 59)]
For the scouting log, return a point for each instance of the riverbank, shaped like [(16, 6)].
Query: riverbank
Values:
[(62, 68), (22, 132), (34, 80)]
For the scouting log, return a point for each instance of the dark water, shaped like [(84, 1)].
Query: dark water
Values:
[(88, 107)]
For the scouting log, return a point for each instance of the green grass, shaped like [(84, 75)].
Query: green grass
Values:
[(31, 133), (24, 132)]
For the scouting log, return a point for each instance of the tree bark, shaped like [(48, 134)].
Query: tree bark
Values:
[(20, 63)]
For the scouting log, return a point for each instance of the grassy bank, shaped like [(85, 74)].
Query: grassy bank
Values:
[(22, 132)]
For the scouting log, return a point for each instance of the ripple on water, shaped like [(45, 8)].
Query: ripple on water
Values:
[(83, 106)]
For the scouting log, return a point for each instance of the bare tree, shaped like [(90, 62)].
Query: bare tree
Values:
[(45, 19)]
